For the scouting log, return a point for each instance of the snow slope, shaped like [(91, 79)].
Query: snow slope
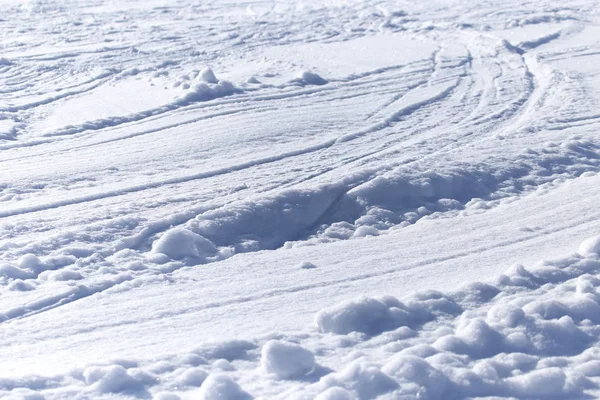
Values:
[(339, 200)]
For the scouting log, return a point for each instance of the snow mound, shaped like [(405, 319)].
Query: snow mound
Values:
[(206, 91), (116, 379), (364, 380), (221, 387), (208, 76), (309, 78), (373, 316), (267, 222), (365, 230), (307, 265), (179, 243), (407, 368), (286, 360), (13, 272), (192, 377), (590, 246)]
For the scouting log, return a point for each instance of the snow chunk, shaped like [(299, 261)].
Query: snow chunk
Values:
[(364, 379), (32, 263), (206, 91), (307, 265), (365, 230), (590, 246), (335, 393), (414, 369), (370, 316), (208, 76), (115, 379), (192, 377), (166, 396), (310, 78), (19, 285), (12, 272), (179, 243), (545, 382), (221, 387), (286, 360)]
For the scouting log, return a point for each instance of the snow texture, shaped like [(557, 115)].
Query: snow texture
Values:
[(299, 200)]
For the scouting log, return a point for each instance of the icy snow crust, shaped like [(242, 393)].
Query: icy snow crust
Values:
[(316, 200)]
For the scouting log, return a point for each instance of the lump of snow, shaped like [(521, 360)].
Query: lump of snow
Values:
[(252, 80), (223, 365), (365, 379), (229, 350), (208, 76), (179, 243), (221, 387), (19, 285), (192, 377), (114, 379), (286, 360), (545, 382), (481, 339), (307, 265), (64, 275), (370, 316), (505, 315), (166, 396), (32, 263), (590, 246), (414, 369), (335, 393), (207, 91), (365, 230), (12, 272), (310, 78)]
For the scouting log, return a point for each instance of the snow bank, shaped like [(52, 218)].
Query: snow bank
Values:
[(286, 360), (266, 223)]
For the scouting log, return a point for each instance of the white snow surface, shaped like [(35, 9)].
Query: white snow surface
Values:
[(299, 199)]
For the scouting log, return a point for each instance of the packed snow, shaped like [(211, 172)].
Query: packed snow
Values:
[(299, 200)]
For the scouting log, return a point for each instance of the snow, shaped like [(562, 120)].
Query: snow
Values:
[(590, 246), (221, 387), (286, 360), (179, 243), (299, 200)]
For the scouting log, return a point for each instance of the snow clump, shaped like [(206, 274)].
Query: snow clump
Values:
[(208, 76), (179, 243), (590, 246), (310, 78), (372, 316), (286, 360), (115, 379), (221, 387)]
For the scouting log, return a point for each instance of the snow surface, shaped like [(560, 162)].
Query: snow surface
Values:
[(299, 200)]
